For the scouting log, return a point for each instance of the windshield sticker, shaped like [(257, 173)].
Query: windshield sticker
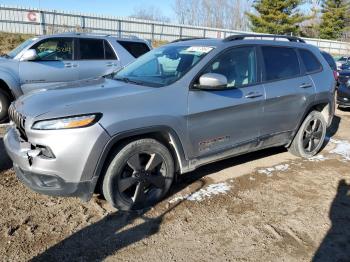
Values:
[(200, 49)]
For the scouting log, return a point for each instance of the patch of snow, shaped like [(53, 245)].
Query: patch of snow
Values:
[(268, 171), (211, 190), (318, 158), (342, 148)]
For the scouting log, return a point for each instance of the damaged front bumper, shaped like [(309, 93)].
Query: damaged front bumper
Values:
[(66, 169)]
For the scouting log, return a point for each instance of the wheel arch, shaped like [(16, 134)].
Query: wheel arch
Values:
[(5, 87), (323, 106), (162, 134)]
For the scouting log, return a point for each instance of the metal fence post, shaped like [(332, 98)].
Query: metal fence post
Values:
[(152, 32), (119, 28), (204, 33), (180, 36), (42, 23), (82, 22)]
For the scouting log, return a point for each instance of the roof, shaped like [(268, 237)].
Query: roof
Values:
[(247, 38)]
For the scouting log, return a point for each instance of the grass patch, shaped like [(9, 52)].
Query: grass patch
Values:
[(9, 41)]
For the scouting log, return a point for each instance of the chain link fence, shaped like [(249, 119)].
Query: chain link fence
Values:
[(38, 22)]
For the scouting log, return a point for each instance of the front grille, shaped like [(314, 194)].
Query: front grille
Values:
[(18, 119)]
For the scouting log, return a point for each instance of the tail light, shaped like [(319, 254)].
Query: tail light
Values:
[(336, 75)]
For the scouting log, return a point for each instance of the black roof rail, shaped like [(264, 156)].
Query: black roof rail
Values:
[(188, 39), (241, 37)]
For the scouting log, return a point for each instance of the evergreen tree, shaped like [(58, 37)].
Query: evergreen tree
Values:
[(333, 22), (277, 16)]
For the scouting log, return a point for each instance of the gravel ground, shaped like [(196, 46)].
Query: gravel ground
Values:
[(266, 206)]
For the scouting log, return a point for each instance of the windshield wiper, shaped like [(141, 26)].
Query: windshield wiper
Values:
[(6, 56), (128, 80)]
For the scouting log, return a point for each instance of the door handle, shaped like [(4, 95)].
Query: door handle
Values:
[(305, 85), (69, 65), (253, 95), (109, 64)]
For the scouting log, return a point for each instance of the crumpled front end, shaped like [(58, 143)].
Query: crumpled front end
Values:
[(55, 162)]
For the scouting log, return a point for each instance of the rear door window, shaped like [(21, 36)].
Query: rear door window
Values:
[(91, 49), (136, 49), (310, 61), (280, 63)]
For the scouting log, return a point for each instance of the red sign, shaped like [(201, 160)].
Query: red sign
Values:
[(32, 16)]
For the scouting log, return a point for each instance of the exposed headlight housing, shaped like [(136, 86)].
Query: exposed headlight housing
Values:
[(67, 122)]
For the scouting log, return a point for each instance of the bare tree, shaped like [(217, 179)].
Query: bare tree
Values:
[(149, 13), (228, 14)]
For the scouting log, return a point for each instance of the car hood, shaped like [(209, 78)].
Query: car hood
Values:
[(87, 95)]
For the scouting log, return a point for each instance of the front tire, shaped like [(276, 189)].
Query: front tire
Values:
[(139, 175), (310, 137), (4, 106)]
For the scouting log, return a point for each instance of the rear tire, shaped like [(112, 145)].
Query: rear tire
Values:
[(310, 137), (4, 106), (139, 175)]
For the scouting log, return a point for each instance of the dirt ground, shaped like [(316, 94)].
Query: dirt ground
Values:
[(265, 206)]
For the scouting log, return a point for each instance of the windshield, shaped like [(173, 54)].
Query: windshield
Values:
[(19, 48), (163, 66)]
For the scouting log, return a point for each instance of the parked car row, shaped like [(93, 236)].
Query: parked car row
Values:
[(47, 61), (170, 111)]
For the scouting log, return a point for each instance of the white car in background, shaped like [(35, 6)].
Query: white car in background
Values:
[(47, 61)]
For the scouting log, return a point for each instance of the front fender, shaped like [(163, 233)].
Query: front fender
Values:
[(11, 81), (175, 141)]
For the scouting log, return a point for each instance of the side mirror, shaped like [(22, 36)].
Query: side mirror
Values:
[(212, 81), (29, 55)]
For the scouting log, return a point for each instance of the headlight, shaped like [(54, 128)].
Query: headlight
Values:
[(67, 122)]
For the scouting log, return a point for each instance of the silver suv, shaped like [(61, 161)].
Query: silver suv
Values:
[(174, 109), (51, 60)]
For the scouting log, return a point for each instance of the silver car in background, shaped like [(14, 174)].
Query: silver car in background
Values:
[(47, 61)]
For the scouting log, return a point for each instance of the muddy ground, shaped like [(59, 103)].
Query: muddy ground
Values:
[(265, 206)]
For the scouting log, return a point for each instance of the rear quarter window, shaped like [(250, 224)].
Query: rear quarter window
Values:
[(310, 61), (136, 49), (280, 63), (330, 60)]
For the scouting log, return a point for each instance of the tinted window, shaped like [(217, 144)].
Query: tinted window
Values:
[(91, 49), (109, 53), (310, 61), (330, 60), (136, 49), (54, 49), (280, 63), (238, 65)]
